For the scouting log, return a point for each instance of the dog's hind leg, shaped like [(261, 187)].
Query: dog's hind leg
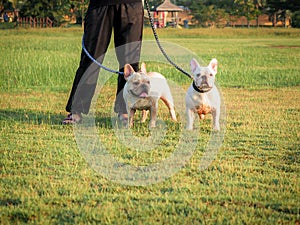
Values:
[(170, 106)]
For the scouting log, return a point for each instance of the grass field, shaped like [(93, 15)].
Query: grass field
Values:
[(254, 179)]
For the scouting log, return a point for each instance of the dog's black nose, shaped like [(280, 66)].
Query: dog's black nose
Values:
[(144, 86)]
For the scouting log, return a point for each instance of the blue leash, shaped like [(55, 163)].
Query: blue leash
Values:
[(95, 61), (157, 41)]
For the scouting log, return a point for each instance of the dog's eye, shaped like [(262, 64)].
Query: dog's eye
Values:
[(211, 74), (198, 75), (136, 83)]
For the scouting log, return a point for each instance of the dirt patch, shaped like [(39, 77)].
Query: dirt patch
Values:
[(285, 46)]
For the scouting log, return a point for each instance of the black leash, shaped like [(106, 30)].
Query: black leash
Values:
[(159, 45), (157, 41)]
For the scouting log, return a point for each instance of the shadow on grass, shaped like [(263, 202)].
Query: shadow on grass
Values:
[(31, 117), (38, 117), (103, 121), (10, 202)]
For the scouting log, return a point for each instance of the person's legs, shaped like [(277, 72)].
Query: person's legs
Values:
[(128, 31), (97, 34)]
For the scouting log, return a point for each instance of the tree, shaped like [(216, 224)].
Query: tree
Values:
[(246, 8), (154, 3), (79, 7), (54, 9), (17, 3), (5, 4), (278, 9), (260, 7), (296, 19), (199, 11)]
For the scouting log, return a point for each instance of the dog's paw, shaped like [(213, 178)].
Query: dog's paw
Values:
[(152, 125), (216, 128)]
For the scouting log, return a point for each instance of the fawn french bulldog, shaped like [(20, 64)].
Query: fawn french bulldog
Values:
[(203, 96), (142, 92)]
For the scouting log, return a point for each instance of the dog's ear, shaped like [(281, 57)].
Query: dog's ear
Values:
[(214, 65), (128, 70), (143, 68), (194, 66)]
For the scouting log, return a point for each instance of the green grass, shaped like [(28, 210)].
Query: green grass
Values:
[(44, 179), (268, 58)]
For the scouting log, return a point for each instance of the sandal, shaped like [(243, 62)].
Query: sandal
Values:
[(72, 119)]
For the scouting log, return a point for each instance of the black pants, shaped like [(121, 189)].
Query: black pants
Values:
[(126, 20)]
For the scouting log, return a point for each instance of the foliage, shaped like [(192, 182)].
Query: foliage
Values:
[(246, 8), (4, 5), (279, 9), (205, 12), (155, 2), (296, 19), (55, 10), (202, 10), (79, 8), (217, 12), (198, 8)]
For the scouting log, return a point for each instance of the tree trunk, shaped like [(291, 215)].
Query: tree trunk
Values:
[(274, 20), (82, 13), (284, 19)]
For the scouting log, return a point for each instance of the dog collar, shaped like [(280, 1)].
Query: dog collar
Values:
[(199, 90)]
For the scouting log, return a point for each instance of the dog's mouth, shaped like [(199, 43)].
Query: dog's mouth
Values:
[(205, 89), (202, 88), (142, 94)]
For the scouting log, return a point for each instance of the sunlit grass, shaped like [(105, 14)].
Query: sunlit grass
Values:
[(49, 58), (44, 179)]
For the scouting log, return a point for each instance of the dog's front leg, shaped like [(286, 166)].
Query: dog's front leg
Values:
[(144, 115), (190, 119), (130, 118), (216, 119), (153, 112)]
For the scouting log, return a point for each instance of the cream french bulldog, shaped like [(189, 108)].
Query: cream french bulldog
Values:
[(142, 92), (203, 96)]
